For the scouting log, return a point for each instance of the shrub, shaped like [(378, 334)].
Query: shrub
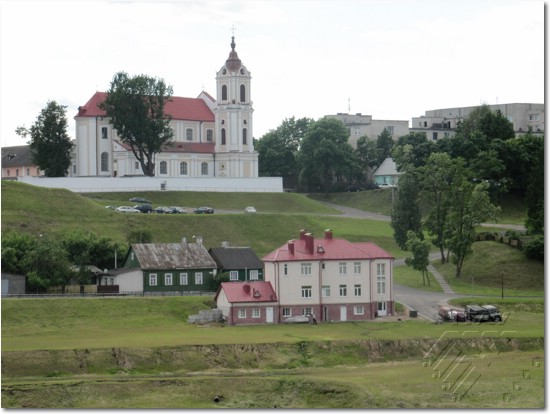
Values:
[(534, 249)]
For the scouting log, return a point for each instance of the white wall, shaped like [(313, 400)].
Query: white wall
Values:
[(130, 184)]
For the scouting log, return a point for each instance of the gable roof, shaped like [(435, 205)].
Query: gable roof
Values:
[(172, 256), (328, 248), (179, 108), (252, 292), (18, 156), (236, 258), (387, 167)]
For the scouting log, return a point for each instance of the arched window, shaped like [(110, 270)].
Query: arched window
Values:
[(104, 161), (163, 167), (209, 135), (224, 92), (183, 168), (204, 168), (223, 136), (244, 136), (243, 93)]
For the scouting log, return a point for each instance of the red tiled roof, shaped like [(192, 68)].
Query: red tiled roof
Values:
[(189, 109), (237, 292), (327, 249)]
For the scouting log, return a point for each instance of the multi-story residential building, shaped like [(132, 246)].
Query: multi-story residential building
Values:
[(331, 278), (442, 123), (360, 125), (17, 162), (212, 137)]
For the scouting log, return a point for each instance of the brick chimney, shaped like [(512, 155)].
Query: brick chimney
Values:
[(291, 246), (246, 288), (328, 234), (303, 234), (309, 242)]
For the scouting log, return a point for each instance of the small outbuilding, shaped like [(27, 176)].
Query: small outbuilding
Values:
[(247, 302)]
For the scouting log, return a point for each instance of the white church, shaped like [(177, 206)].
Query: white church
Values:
[(212, 137)]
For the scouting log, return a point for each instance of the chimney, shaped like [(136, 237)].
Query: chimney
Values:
[(225, 244), (328, 234), (199, 240), (291, 247), (246, 288), (302, 234), (309, 243), (183, 240)]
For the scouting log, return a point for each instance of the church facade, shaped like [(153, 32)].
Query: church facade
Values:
[(212, 137)]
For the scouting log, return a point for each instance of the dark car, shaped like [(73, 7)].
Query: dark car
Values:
[(144, 208), (493, 313), (475, 313), (140, 200), (163, 210), (204, 210), (177, 210)]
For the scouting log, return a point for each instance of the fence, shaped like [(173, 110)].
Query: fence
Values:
[(104, 295)]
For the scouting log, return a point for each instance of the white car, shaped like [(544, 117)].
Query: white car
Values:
[(250, 210), (127, 209)]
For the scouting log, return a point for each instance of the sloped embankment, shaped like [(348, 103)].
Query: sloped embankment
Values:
[(249, 356)]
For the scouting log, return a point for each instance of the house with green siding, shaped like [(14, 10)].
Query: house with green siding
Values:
[(240, 263), (173, 267)]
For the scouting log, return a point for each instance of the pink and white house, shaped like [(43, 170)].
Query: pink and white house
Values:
[(247, 302), (334, 279)]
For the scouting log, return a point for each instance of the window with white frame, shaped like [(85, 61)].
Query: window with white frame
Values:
[(234, 275), (358, 310), (189, 134), (357, 290), (163, 167), (183, 168), (183, 279), (153, 279), (287, 312), (381, 278), (306, 291), (389, 128), (306, 311), (356, 268), (305, 269), (204, 168), (241, 314), (198, 278), (209, 135), (253, 275), (343, 290), (256, 313), (325, 291), (342, 268), (168, 279)]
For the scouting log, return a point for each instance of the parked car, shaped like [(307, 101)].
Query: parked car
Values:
[(475, 313), (204, 210), (127, 209), (352, 189), (250, 210), (385, 185), (140, 200), (178, 210), (111, 207), (144, 208), (494, 313), (163, 210), (456, 315)]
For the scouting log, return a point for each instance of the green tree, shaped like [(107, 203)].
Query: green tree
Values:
[(412, 150), (535, 194), (15, 247), (135, 106), (384, 145), (278, 150), (470, 206), (367, 159), (324, 154), (86, 248), (406, 216), (49, 142), (420, 259)]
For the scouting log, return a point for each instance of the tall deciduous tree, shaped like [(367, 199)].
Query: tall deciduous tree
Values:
[(384, 145), (366, 155), (49, 142), (420, 259), (406, 216), (324, 153), (470, 206), (135, 106)]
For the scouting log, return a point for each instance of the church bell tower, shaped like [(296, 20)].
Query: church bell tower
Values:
[(235, 155)]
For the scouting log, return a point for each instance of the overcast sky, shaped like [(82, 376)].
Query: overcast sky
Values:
[(392, 59)]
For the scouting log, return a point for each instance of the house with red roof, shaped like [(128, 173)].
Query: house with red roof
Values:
[(244, 303), (331, 278), (212, 137)]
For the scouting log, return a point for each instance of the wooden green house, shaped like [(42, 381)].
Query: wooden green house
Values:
[(240, 263), (173, 267)]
